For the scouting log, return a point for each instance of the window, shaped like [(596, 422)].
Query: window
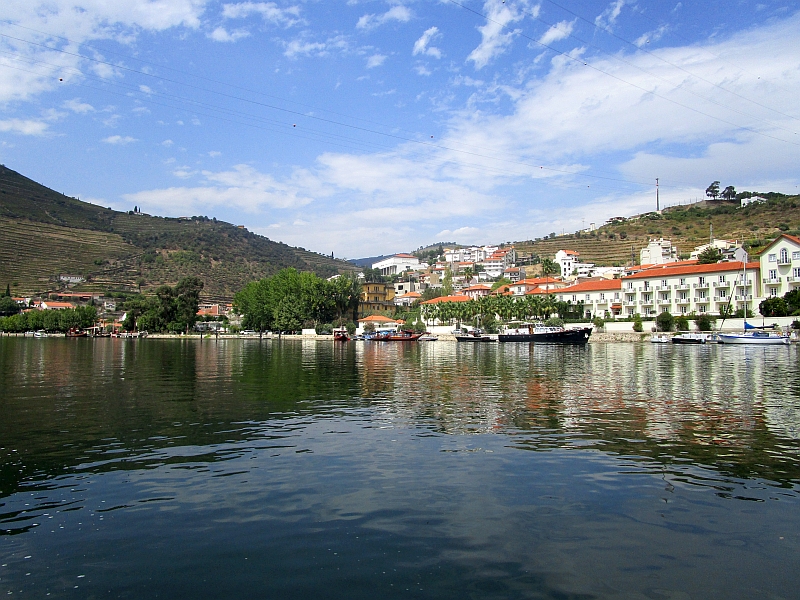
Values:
[(616, 295), (701, 309), (722, 293), (630, 285), (701, 280), (784, 255), (796, 272), (795, 255), (663, 283), (683, 310), (574, 297), (646, 297), (773, 273), (683, 295), (647, 285), (722, 278), (773, 291), (773, 258), (683, 281), (701, 295), (602, 296)]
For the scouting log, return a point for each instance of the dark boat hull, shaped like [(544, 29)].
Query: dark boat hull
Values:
[(568, 336), (474, 338)]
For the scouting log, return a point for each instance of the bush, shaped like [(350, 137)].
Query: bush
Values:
[(665, 321), (682, 323), (637, 323), (598, 323), (705, 322), (554, 322)]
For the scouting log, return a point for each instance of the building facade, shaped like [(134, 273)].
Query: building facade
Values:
[(780, 266)]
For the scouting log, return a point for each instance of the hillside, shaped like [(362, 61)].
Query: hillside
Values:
[(44, 234), (686, 226)]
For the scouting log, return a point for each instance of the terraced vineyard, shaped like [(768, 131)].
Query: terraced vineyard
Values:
[(44, 234), (686, 226)]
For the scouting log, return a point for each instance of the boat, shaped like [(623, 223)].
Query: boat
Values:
[(399, 336), (763, 338), (660, 338), (428, 337), (539, 333), (40, 334), (476, 335), (693, 338), (74, 332), (340, 335)]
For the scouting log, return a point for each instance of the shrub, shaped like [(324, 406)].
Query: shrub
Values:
[(554, 322), (682, 323), (637, 323), (705, 321), (598, 323), (665, 321)]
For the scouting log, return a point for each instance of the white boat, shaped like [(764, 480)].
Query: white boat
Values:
[(694, 338), (428, 337), (660, 338), (763, 338)]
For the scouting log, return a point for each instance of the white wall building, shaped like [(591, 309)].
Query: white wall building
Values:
[(398, 263), (567, 259), (780, 266), (682, 289), (600, 298), (658, 252)]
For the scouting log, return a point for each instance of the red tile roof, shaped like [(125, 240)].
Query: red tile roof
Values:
[(376, 319), (673, 269), (448, 299), (593, 286)]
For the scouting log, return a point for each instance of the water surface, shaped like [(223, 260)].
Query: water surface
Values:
[(247, 468)]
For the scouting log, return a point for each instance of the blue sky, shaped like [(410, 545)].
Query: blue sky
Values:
[(370, 127)]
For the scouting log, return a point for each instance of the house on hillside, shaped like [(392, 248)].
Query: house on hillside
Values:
[(658, 252), (376, 298), (407, 299), (398, 263)]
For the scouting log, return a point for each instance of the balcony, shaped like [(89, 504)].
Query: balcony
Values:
[(722, 284), (700, 286), (782, 262), (743, 298), (681, 286), (682, 300), (772, 280), (629, 303), (699, 300)]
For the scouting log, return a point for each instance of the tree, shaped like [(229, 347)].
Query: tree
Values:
[(792, 300), (637, 323), (682, 323), (665, 321), (187, 300), (729, 193), (8, 290), (500, 282), (712, 191), (705, 321), (709, 256), (549, 267), (774, 307), (468, 273), (447, 283), (8, 306)]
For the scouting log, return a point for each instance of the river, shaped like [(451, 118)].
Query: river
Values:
[(303, 469)]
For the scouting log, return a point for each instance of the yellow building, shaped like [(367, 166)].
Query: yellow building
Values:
[(377, 298)]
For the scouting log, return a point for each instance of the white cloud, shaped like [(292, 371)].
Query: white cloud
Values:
[(145, 89), (220, 34), (304, 47), (422, 45), (608, 17), (376, 60), (396, 13), (651, 36), (167, 143), (557, 32), (24, 126), (493, 41), (76, 106), (269, 11), (50, 22), (119, 140), (214, 153)]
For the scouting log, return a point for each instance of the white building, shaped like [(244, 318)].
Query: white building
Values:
[(729, 250), (567, 259), (398, 264), (780, 266), (600, 298), (658, 252), (472, 254), (682, 288), (753, 200), (499, 261)]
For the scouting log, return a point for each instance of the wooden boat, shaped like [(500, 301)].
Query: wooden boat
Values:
[(74, 332), (340, 335), (538, 333)]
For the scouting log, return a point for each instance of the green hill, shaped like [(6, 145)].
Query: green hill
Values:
[(686, 226), (44, 234)]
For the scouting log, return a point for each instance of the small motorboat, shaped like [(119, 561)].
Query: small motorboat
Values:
[(693, 338), (340, 335), (476, 335), (428, 337), (660, 338)]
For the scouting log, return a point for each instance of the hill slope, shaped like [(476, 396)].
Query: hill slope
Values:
[(44, 234), (686, 226)]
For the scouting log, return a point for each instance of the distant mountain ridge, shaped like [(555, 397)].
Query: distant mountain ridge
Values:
[(44, 234)]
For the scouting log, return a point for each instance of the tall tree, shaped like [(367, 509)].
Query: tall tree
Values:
[(712, 191), (729, 193)]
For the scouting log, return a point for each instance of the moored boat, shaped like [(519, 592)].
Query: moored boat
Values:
[(693, 338), (763, 338), (539, 333), (660, 338), (74, 332), (340, 335), (398, 336), (476, 335)]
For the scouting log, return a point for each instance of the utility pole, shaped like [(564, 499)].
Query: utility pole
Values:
[(658, 207)]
